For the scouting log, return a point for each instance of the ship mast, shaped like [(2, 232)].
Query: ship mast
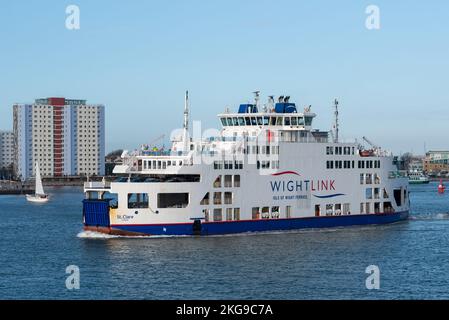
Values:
[(336, 124), (186, 123)]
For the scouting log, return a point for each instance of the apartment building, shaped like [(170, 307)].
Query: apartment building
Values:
[(66, 137)]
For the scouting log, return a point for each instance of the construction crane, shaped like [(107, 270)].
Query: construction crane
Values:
[(375, 147), (153, 142)]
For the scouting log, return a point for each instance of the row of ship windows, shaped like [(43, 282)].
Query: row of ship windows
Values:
[(374, 193), (228, 165), (262, 150), (164, 200), (340, 150), (219, 198), (266, 121), (368, 178), (346, 164), (365, 207), (228, 181), (158, 164), (233, 214)]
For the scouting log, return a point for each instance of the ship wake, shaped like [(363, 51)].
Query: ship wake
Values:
[(430, 216)]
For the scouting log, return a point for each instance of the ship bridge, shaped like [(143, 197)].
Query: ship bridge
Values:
[(280, 116)]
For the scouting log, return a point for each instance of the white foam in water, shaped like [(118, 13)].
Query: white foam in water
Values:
[(94, 235), (99, 235), (442, 216), (432, 216)]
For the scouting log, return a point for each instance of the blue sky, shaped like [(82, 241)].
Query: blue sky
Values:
[(138, 58)]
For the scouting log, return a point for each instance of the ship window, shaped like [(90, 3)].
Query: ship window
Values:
[(228, 181), (217, 197), (385, 194), (279, 121), (248, 121), (388, 208), (367, 207), (218, 214), (266, 121), (223, 122), (164, 165), (329, 150), (376, 178), (362, 207), (241, 121), (369, 178), (205, 200), (329, 209), (346, 208), (377, 207), (369, 193), (137, 200), (237, 181), (338, 209), (228, 214), (206, 215), (308, 121), (236, 214), (228, 198), (294, 121), (217, 182), (397, 197), (172, 200), (265, 212), (300, 121), (275, 212), (235, 121), (229, 120), (273, 121), (255, 213), (253, 121), (259, 121), (287, 121), (362, 178), (288, 212)]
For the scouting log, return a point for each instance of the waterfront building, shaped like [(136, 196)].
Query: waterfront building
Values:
[(66, 137), (6, 148), (436, 161)]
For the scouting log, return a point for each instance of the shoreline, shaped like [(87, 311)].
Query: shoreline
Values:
[(8, 187)]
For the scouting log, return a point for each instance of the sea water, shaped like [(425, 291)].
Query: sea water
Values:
[(39, 241)]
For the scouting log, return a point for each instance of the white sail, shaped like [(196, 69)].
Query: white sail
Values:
[(39, 187)]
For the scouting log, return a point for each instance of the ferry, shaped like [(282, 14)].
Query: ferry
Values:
[(266, 169), (417, 177)]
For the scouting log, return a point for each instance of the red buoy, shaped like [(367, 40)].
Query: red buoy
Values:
[(441, 187)]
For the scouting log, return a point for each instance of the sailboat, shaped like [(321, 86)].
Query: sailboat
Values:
[(39, 195)]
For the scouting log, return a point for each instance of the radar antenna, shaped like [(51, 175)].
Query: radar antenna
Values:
[(336, 124), (185, 137)]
